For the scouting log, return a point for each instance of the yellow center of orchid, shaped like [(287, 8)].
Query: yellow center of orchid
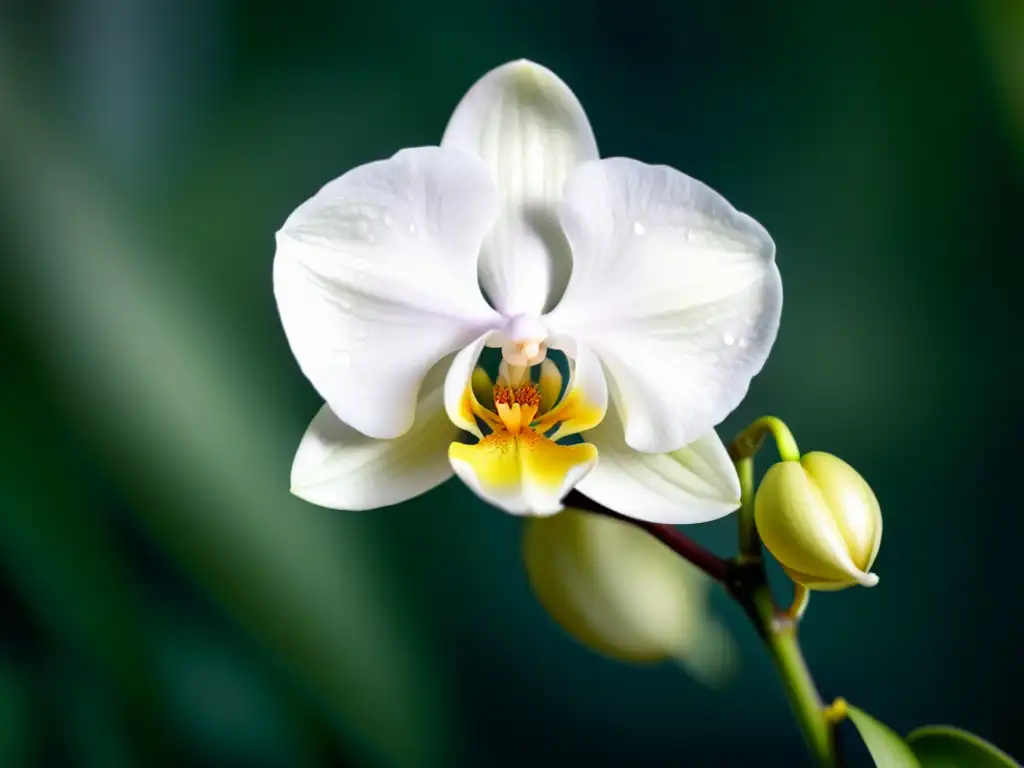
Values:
[(516, 407), (516, 460)]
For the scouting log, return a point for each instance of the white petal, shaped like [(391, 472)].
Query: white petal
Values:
[(458, 385), (375, 279), (530, 131), (675, 290), (694, 484), (338, 467)]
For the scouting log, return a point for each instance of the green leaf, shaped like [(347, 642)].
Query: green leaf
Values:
[(942, 746), (887, 749)]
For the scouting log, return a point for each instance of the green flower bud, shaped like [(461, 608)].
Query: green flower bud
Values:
[(622, 593), (821, 521)]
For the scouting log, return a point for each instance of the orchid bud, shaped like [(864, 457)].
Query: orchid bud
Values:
[(821, 521), (620, 592)]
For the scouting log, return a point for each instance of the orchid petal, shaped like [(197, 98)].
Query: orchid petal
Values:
[(693, 484), (585, 401), (676, 292), (340, 468), (375, 279), (530, 131), (460, 401)]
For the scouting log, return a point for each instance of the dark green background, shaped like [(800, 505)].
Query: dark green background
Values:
[(164, 599)]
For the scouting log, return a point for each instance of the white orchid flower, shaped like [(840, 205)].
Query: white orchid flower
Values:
[(392, 279)]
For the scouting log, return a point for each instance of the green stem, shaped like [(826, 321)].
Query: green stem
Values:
[(747, 582), (748, 442), (778, 629), (750, 543), (742, 451), (780, 637), (801, 597)]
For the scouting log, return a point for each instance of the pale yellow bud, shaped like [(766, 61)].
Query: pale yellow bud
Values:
[(821, 521), (620, 592)]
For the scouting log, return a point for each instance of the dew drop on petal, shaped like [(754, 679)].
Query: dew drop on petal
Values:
[(729, 339), (412, 227), (744, 343), (639, 228)]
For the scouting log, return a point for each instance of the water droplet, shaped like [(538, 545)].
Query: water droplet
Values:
[(691, 235), (412, 227), (639, 228), (387, 220), (729, 339), (744, 343)]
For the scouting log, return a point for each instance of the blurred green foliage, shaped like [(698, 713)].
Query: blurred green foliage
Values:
[(167, 602)]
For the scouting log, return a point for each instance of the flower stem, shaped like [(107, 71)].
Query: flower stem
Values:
[(801, 596), (800, 689), (746, 580), (714, 566), (749, 441), (742, 451), (777, 628), (749, 542)]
